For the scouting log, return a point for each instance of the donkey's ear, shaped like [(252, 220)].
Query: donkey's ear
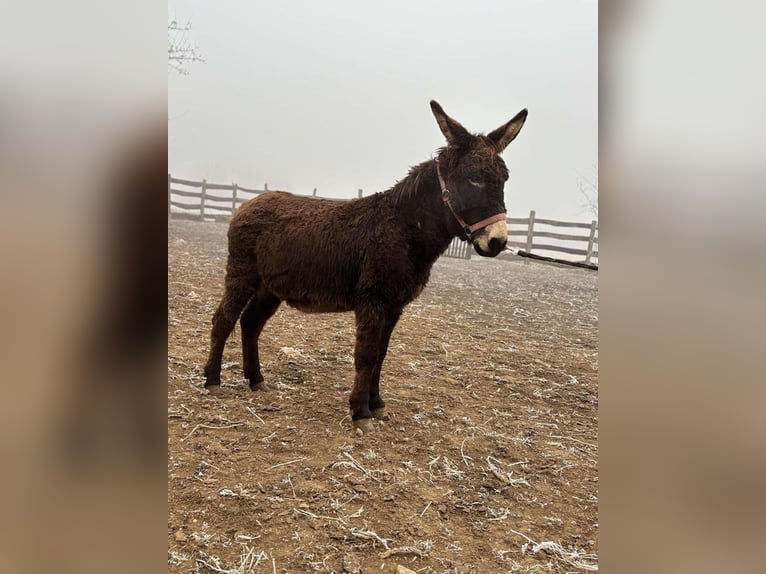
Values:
[(505, 134), (455, 133)]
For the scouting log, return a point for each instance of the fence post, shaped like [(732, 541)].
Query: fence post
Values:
[(591, 240), (315, 192), (233, 198), (265, 187), (530, 233), (203, 194), (168, 195), (360, 193)]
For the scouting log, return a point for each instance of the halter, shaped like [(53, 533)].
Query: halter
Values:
[(467, 229)]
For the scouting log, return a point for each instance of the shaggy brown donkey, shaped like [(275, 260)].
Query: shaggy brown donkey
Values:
[(371, 255)]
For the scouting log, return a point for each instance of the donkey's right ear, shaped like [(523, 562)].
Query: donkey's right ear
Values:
[(506, 133), (456, 134)]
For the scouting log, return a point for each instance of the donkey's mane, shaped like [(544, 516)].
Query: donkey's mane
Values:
[(407, 187)]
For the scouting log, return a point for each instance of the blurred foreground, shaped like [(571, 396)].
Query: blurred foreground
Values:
[(682, 433), (83, 156)]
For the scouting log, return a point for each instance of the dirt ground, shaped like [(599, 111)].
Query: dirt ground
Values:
[(488, 463)]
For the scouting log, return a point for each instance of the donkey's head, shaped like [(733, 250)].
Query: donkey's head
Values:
[(472, 175)]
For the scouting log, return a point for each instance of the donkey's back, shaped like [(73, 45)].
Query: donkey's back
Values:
[(308, 252)]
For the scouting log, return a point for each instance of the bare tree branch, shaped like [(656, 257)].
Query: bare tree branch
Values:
[(181, 51), (588, 186)]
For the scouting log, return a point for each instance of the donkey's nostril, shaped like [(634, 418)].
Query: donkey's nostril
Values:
[(496, 244)]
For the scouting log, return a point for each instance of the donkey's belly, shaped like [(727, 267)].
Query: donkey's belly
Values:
[(314, 284), (318, 307)]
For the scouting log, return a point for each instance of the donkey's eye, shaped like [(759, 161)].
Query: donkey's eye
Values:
[(476, 182)]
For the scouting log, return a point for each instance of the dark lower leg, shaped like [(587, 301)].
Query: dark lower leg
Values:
[(371, 331), (376, 402), (377, 405), (260, 308), (225, 318), (365, 357)]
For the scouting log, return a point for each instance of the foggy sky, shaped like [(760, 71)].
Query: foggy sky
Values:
[(334, 94)]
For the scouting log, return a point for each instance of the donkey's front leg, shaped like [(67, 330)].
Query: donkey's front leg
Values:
[(370, 324), (377, 406)]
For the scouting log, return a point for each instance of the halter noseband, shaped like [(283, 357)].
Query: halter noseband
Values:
[(467, 229)]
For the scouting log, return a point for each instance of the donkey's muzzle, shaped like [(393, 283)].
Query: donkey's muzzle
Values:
[(491, 241), (494, 247)]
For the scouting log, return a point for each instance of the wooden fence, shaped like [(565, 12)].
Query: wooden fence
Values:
[(532, 234), (205, 201)]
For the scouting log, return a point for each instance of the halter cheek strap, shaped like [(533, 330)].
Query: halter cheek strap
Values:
[(467, 229)]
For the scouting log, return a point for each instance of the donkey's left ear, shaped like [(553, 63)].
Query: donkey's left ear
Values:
[(455, 133), (505, 134)]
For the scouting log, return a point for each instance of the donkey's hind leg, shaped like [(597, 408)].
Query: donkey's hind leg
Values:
[(236, 295), (259, 310)]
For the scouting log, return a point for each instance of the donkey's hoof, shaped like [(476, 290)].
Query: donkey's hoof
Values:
[(380, 414), (362, 426), (259, 387), (214, 390)]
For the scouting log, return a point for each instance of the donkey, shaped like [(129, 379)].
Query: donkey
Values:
[(371, 255)]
